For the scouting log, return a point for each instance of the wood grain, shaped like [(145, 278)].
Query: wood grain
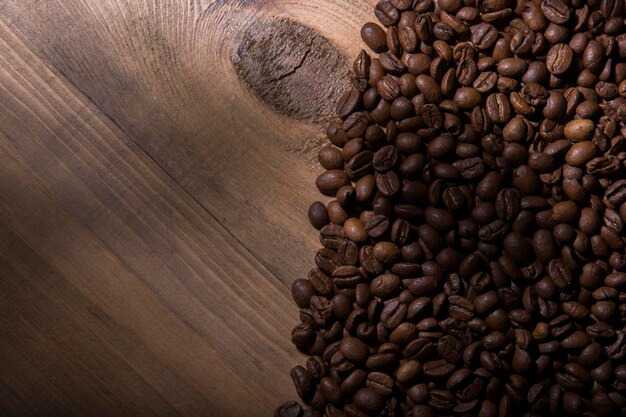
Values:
[(163, 72), (153, 202)]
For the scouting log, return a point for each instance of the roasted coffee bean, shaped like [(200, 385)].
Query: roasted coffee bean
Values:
[(498, 108), (318, 215), (429, 88), (484, 36), (580, 153), (331, 236), (330, 157), (368, 400), (289, 409), (355, 230), (512, 67), (467, 98), (386, 252), (508, 204), (470, 168), (376, 226), (385, 158), (374, 36), (386, 13), (385, 285), (354, 349), (450, 348), (579, 130), (388, 183), (556, 11), (301, 291), (438, 369), (559, 57), (616, 193), (485, 81), (369, 262), (593, 56), (302, 382), (478, 214), (380, 383), (330, 181), (346, 276)]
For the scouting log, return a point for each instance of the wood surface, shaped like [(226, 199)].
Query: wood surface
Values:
[(153, 196)]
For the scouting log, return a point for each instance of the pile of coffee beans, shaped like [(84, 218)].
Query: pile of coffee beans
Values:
[(473, 259)]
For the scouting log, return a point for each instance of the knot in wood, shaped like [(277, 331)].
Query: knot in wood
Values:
[(292, 68)]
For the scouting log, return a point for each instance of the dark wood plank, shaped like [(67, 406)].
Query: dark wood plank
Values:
[(165, 72), (119, 293)]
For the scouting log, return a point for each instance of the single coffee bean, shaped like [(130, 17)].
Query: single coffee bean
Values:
[(301, 291), (346, 276), (380, 383), (498, 108), (354, 349), (386, 13), (450, 349), (331, 236), (354, 229), (302, 382), (467, 98), (579, 130), (376, 226), (484, 36), (429, 88), (385, 285), (565, 212), (467, 72), (559, 58), (485, 81), (388, 183), (368, 400), (374, 36), (330, 157), (318, 215), (556, 11), (289, 409), (522, 42), (512, 67), (580, 153), (330, 181), (616, 193), (593, 56), (438, 369)]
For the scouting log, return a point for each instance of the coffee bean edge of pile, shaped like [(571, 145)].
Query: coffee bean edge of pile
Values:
[(473, 257)]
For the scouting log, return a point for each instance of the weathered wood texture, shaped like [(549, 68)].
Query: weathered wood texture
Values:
[(155, 170)]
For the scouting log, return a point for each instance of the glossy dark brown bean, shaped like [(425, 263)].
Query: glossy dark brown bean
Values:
[(559, 58), (289, 409), (467, 98), (318, 215), (429, 88), (330, 181), (386, 13), (556, 11), (498, 108), (368, 400), (374, 36)]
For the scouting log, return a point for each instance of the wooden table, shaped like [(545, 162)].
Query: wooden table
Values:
[(156, 164)]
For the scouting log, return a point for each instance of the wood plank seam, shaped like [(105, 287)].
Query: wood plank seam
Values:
[(196, 209), (122, 260), (138, 144)]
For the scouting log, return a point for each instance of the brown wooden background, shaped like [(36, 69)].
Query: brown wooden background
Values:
[(156, 164)]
